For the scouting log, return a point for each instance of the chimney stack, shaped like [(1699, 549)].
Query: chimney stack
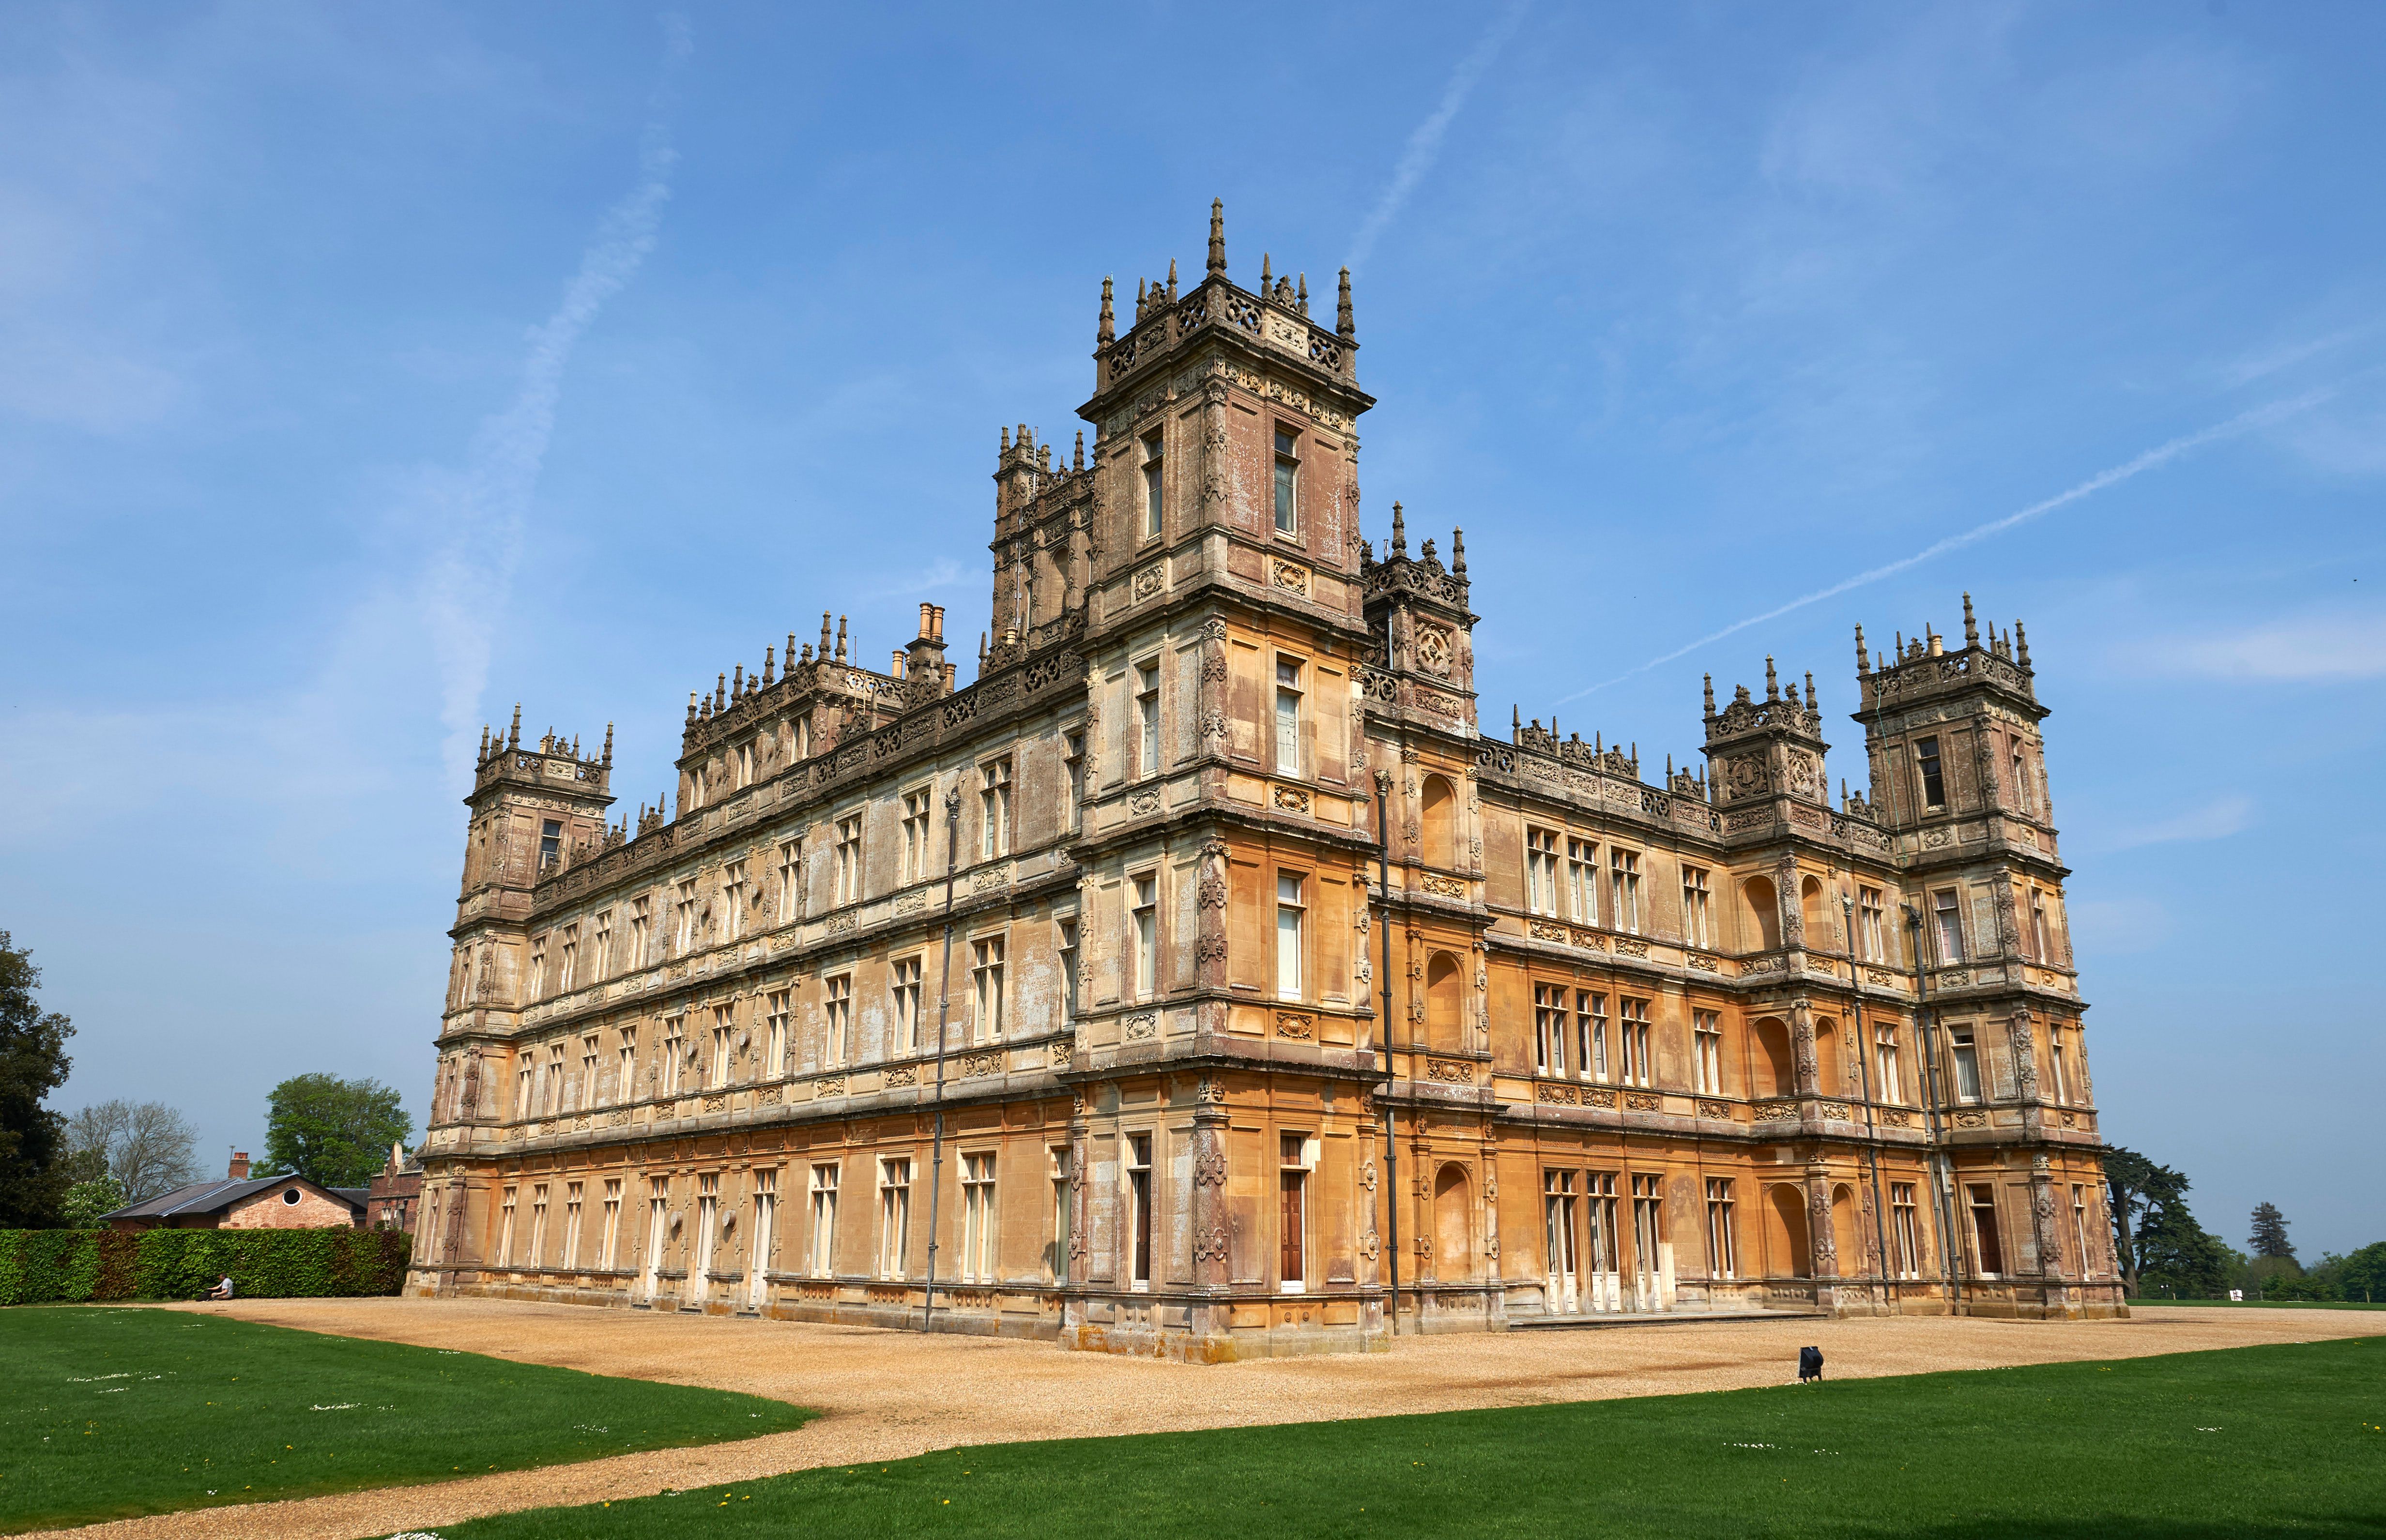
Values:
[(239, 1169)]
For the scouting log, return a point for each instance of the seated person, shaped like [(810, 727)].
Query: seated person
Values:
[(223, 1289)]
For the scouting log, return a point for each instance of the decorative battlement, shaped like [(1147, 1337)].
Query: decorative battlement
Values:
[(1778, 713), (556, 760), (1922, 667), (1592, 756), (1275, 319), (1422, 577)]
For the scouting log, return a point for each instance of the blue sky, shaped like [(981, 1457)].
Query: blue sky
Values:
[(365, 369)]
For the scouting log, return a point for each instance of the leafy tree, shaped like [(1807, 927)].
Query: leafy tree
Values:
[(2361, 1275), (2270, 1233), (148, 1147), (33, 1063), (2160, 1246), (86, 1201), (332, 1131)]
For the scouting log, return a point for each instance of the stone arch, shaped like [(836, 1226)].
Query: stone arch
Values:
[(1440, 823), (1445, 1013), (1847, 1237), (1764, 913), (1786, 1252), (1453, 1224), (1830, 1066), (1776, 1070), (1811, 909)]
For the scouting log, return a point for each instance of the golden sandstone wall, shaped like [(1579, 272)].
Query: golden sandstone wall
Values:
[(1096, 974)]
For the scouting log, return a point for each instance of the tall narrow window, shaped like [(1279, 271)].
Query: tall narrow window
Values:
[(1292, 1212), (985, 981), (550, 844), (506, 1229), (849, 859), (1947, 913), (2079, 1231), (1934, 783), (1623, 889), (1138, 1196), (1146, 716), (571, 1258), (2041, 943), (780, 1014), (1722, 1254), (674, 1053), (733, 898), (820, 1256), (766, 1223), (1889, 1075), (723, 1048), (977, 1219), (641, 922), (587, 1093), (905, 973), (894, 1217), (1697, 913), (700, 787), (1059, 1265), (1066, 947), (1541, 870), (2058, 1073), (745, 773), (1147, 937), (538, 966), (1153, 483), (522, 1086), (1706, 1062), (803, 738), (911, 849), (568, 973), (1988, 1244), (993, 809), (552, 1091), (1289, 916), (1287, 483), (2021, 796), (1908, 1229), (683, 916), (625, 1067), (1548, 1029), (610, 1248), (1582, 882), (1871, 928), (839, 1007), (1967, 1064), (600, 949), (1632, 1037), (1074, 762), (1590, 1028), (538, 1225), (1288, 717)]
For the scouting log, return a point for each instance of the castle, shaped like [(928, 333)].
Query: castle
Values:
[(1200, 980)]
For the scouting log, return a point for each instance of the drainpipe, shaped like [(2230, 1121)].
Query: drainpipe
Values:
[(943, 999), (1942, 1188), (1383, 1046), (1864, 1068)]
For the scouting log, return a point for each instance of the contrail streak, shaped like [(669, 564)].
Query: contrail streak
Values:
[(2160, 455), (1424, 144), (468, 580)]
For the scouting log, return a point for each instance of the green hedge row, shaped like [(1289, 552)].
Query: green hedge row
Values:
[(41, 1265)]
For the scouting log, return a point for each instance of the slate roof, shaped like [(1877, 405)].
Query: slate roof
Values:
[(214, 1198)]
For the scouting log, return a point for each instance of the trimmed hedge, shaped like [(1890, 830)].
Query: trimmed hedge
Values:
[(37, 1265)]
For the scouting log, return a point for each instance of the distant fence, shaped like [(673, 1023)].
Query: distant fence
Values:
[(39, 1266)]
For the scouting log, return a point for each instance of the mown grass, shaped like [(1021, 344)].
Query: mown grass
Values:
[(2247, 1441), (110, 1413), (2268, 1304)]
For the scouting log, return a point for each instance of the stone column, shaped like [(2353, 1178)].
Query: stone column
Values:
[(1793, 910), (1212, 1233), (2044, 1233), (1209, 703), (1080, 1217), (1210, 925), (1821, 1244), (1801, 1046), (2023, 1043)]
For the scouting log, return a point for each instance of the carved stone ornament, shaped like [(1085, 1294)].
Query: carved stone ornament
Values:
[(1292, 799), (1143, 799), (1745, 775), (1433, 651), (1293, 1025), (1291, 577), (1805, 775), (1142, 1024), (1146, 583)]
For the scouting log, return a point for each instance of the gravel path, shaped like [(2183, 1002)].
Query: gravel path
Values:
[(888, 1395)]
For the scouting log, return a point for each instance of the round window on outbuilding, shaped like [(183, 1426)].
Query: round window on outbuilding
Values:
[(290, 1197)]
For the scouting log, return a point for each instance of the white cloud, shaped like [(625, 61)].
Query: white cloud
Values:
[(2306, 649), (1424, 144), (2216, 819)]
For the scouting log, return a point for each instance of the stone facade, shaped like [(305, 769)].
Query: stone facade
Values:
[(1201, 981)]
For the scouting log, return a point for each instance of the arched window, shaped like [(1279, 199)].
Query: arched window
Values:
[(1786, 1252), (1830, 1079), (1776, 1075), (1440, 823), (1846, 1236), (1453, 1226), (1764, 916), (1444, 1014)]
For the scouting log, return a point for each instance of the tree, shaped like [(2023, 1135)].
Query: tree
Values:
[(2156, 1239), (86, 1201), (332, 1131), (148, 1147), (33, 1064), (2270, 1233)]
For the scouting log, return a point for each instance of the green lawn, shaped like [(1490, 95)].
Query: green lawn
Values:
[(2251, 1442), (107, 1413), (2269, 1303)]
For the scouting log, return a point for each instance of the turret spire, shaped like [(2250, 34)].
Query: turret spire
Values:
[(1399, 533), (1710, 695), (824, 646), (1772, 687), (1106, 329), (2021, 642), (1864, 658), (1217, 235), (1343, 325), (1267, 274), (1458, 553), (1172, 280), (1080, 461), (840, 638), (1971, 627), (513, 733)]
